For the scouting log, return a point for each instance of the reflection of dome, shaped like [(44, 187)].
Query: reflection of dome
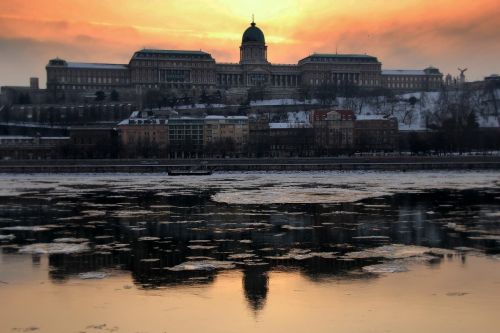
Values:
[(253, 34), (256, 287)]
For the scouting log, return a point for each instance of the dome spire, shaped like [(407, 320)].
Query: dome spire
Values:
[(253, 21)]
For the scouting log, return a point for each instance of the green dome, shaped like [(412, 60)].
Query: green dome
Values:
[(253, 34)]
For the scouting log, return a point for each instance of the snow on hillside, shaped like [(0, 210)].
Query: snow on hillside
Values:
[(414, 111), (424, 109), (284, 101)]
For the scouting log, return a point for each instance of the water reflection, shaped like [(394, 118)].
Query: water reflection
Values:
[(151, 233), (256, 286)]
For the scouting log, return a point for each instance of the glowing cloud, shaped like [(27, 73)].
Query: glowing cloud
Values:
[(402, 33)]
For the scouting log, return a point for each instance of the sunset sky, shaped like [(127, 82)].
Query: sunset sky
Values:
[(410, 34)]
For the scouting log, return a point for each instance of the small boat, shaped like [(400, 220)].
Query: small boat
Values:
[(189, 172)]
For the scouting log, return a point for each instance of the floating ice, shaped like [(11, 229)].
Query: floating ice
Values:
[(54, 248), (7, 237), (493, 214), (151, 260), (330, 187), (25, 228), (465, 249), (374, 238), (93, 213), (291, 227), (486, 237), (241, 256), (198, 258), (393, 251), (456, 293), (26, 329), (103, 327), (70, 240), (303, 254), (202, 247), (395, 267), (93, 275), (148, 238), (202, 265)]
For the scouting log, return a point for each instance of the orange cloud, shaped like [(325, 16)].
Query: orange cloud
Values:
[(402, 33)]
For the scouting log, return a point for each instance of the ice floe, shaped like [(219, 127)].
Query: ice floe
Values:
[(202, 265), (303, 254), (239, 256), (394, 267), (148, 238), (93, 275), (393, 251), (70, 240), (7, 237), (26, 228), (202, 247), (54, 248), (372, 238)]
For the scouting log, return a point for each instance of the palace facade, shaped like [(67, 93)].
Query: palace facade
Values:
[(186, 70)]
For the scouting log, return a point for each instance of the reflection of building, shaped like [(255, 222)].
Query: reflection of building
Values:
[(186, 70), (256, 286)]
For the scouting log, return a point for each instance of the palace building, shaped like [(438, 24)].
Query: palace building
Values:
[(186, 70)]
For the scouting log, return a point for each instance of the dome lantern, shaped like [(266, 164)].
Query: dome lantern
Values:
[(253, 49)]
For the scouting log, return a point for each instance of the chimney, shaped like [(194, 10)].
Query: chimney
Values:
[(34, 83)]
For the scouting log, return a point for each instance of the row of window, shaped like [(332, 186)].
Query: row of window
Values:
[(361, 82), (413, 78), (343, 59), (404, 85), (325, 68), (80, 87), (144, 63), (99, 80)]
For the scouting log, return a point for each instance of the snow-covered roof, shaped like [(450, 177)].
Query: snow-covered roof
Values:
[(288, 125), (370, 117), (55, 137), (238, 117), (176, 52), (143, 121), (215, 117), (22, 137), (228, 119), (403, 72), (15, 137), (87, 65)]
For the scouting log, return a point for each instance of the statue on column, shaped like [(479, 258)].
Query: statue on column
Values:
[(462, 75)]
